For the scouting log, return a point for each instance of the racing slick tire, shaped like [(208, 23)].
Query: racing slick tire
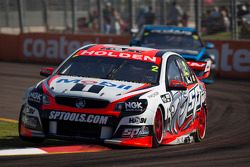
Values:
[(24, 138), (158, 128), (202, 125)]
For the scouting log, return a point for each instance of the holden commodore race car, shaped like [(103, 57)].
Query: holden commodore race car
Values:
[(183, 40), (128, 96)]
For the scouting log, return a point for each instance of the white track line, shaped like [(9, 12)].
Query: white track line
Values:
[(24, 151)]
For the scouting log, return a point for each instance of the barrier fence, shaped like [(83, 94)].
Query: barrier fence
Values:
[(232, 57), (217, 19)]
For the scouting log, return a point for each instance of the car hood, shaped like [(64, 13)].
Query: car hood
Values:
[(182, 51), (190, 54), (92, 87)]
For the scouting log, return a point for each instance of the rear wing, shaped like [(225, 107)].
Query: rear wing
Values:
[(201, 69)]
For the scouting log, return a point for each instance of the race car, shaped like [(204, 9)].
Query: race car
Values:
[(183, 40), (128, 96)]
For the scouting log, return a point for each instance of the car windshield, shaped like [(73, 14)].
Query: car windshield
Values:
[(171, 41), (111, 68)]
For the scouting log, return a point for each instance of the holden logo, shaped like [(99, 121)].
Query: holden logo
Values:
[(80, 103)]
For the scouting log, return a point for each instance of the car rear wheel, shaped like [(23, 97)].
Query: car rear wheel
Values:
[(157, 128), (202, 125)]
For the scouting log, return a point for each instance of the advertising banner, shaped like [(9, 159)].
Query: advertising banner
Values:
[(232, 57)]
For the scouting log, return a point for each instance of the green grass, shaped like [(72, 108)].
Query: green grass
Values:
[(8, 130), (218, 36)]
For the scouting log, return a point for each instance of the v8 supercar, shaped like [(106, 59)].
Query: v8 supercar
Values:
[(130, 96)]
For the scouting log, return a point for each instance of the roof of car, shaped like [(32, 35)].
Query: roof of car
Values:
[(165, 27), (122, 51), (123, 48)]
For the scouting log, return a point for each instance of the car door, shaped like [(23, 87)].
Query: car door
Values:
[(178, 102), (192, 96)]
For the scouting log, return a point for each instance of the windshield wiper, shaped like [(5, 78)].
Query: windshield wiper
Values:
[(112, 72)]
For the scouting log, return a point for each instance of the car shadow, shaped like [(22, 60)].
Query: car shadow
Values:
[(13, 142)]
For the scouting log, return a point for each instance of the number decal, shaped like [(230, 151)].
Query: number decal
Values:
[(154, 68)]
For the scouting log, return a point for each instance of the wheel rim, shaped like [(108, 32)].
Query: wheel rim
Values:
[(158, 125), (202, 124)]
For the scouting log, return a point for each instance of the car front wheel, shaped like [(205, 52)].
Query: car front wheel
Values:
[(202, 125), (158, 128)]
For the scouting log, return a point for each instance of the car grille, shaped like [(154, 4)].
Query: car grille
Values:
[(89, 103), (76, 129)]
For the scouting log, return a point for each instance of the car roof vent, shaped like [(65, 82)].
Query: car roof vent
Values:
[(119, 49), (160, 53)]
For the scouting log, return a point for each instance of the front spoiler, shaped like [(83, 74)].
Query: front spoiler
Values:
[(134, 142), (145, 142)]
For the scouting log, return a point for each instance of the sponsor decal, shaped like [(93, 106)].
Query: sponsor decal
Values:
[(49, 48), (109, 84), (137, 120), (232, 57), (103, 83), (195, 102), (89, 82), (172, 31), (133, 106), (35, 97), (78, 117), (197, 65), (118, 54), (68, 81), (153, 95), (166, 98), (135, 132)]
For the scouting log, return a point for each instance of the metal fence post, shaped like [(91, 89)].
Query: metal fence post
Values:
[(131, 14), (7, 13), (234, 20), (45, 14), (161, 11), (198, 15), (20, 14), (65, 14), (73, 8), (100, 21)]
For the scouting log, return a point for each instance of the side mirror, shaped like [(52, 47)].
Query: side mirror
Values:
[(46, 71), (135, 42), (209, 45), (177, 85), (134, 31)]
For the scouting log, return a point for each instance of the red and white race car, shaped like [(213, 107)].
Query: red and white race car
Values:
[(131, 96)]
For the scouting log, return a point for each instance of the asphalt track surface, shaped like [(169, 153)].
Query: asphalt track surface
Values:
[(227, 142)]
